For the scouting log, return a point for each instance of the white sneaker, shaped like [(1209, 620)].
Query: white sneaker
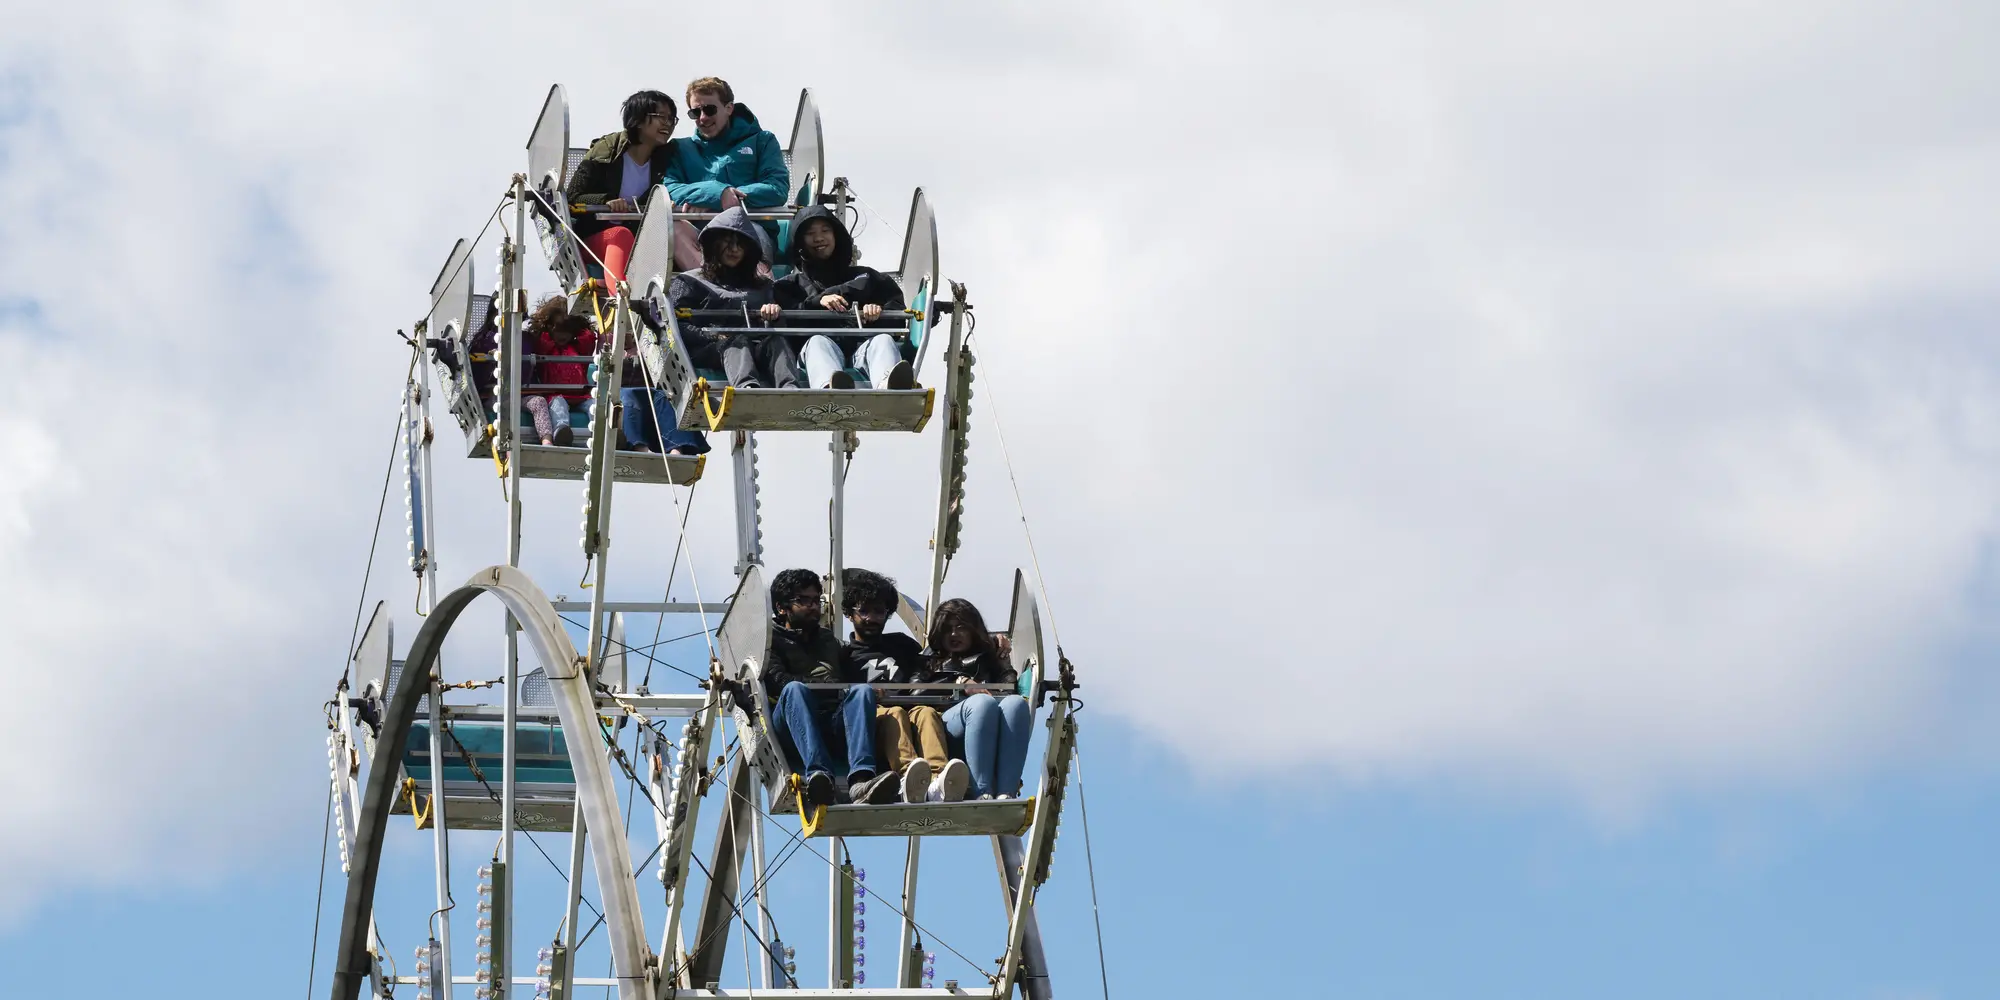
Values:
[(916, 779), (951, 782)]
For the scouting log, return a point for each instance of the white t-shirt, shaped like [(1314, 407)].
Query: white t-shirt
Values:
[(637, 178)]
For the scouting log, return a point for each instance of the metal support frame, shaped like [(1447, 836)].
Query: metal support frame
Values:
[(1008, 855), (718, 898), (510, 332), (771, 968), (566, 979), (842, 446), (440, 830), (1022, 878), (908, 964), (684, 809), (842, 946), (599, 481), (749, 529), (951, 467), (624, 924)]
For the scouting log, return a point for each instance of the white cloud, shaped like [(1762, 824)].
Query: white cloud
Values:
[(1581, 399)]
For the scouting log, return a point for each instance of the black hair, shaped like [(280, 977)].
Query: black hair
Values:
[(860, 588), (641, 104), (956, 611), (744, 274), (788, 585)]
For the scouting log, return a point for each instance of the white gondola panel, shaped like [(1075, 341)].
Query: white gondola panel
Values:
[(804, 156)]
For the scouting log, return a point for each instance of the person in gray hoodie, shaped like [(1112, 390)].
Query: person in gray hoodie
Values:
[(731, 247)]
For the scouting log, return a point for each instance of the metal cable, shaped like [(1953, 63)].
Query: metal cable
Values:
[(319, 901), (1103, 977), (368, 570), (1020, 508)]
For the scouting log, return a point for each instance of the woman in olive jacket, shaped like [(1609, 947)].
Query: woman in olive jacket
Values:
[(618, 174)]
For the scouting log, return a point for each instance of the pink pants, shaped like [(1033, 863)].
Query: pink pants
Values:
[(613, 246)]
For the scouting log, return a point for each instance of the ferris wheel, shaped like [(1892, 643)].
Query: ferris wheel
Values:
[(565, 734)]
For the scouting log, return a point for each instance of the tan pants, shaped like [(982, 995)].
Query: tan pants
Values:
[(904, 733)]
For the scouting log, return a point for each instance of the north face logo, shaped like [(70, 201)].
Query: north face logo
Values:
[(746, 151)]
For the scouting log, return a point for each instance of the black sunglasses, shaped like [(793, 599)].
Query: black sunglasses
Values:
[(704, 110)]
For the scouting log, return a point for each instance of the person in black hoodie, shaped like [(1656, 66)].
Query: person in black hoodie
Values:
[(813, 726), (732, 246), (825, 276), (909, 739), (992, 732)]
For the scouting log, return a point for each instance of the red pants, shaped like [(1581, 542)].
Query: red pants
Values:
[(613, 246)]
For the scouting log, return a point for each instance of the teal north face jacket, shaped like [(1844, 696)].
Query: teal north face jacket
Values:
[(744, 157)]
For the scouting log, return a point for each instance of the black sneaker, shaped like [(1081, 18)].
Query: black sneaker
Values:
[(819, 789), (902, 376), (876, 790), (565, 436), (840, 380)]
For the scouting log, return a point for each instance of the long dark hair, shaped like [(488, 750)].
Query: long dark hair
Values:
[(743, 275), (957, 611)]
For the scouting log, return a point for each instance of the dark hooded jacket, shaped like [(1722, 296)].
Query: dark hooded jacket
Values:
[(602, 171), (838, 275), (982, 668), (811, 657), (694, 290)]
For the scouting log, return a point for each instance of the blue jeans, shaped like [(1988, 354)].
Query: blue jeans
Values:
[(993, 733), (796, 726), (640, 428)]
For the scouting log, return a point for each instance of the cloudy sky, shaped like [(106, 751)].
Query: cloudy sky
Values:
[(1528, 471)]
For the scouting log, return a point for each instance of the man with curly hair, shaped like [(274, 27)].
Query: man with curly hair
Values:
[(807, 721), (909, 738)]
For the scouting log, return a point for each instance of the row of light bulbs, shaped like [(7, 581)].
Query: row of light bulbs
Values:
[(483, 975)]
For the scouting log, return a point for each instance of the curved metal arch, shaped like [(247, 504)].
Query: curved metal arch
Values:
[(595, 792)]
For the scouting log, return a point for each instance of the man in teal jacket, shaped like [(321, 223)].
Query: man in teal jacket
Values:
[(730, 160)]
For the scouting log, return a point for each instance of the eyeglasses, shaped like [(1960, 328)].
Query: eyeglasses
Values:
[(704, 110), (669, 119), (808, 602)]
